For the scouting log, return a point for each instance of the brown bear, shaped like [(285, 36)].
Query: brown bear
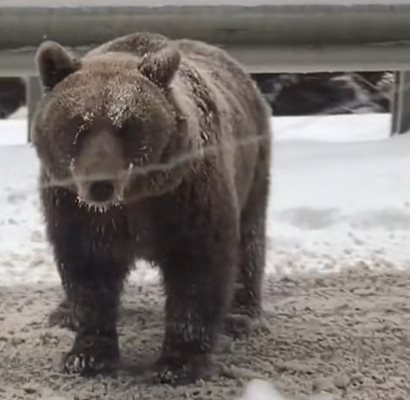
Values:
[(154, 149)]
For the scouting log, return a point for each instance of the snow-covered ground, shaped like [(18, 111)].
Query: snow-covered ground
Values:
[(341, 194), (340, 197)]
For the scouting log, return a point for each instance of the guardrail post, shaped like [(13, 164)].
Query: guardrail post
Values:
[(34, 94), (400, 122)]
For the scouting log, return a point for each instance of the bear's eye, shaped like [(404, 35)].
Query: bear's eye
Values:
[(131, 132), (70, 136), (132, 137), (130, 126)]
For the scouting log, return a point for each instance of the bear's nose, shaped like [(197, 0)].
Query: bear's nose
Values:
[(101, 191)]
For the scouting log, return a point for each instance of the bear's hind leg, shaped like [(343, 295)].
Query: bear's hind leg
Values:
[(246, 305)]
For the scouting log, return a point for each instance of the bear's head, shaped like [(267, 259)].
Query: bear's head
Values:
[(104, 119)]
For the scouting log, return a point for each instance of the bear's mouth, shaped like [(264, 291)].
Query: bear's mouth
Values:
[(100, 195), (98, 207)]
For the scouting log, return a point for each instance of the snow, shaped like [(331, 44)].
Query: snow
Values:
[(262, 390), (339, 201), (354, 128), (340, 197)]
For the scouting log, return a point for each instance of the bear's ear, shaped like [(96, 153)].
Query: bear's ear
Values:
[(54, 63), (160, 67)]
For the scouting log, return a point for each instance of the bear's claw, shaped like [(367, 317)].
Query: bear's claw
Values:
[(180, 372), (92, 355)]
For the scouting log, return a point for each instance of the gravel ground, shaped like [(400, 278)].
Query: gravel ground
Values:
[(342, 335)]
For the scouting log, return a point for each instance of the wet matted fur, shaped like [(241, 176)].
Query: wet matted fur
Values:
[(178, 135)]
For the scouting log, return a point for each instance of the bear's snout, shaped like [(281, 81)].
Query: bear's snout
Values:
[(99, 171)]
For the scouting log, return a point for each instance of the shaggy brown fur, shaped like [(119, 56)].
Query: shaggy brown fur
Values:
[(159, 150)]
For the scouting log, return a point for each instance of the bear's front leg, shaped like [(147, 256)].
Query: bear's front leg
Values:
[(92, 265), (198, 278), (95, 304)]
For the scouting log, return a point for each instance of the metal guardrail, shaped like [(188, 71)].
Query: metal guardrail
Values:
[(265, 35)]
